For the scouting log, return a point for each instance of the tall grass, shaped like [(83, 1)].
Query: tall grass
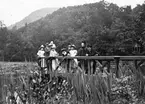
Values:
[(87, 89), (14, 76), (91, 89), (139, 78)]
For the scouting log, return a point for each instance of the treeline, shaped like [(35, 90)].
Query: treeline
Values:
[(110, 29)]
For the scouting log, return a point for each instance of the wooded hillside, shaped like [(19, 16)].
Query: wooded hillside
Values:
[(110, 29)]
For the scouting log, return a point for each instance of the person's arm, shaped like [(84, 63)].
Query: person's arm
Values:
[(56, 54), (75, 52), (87, 52), (38, 54)]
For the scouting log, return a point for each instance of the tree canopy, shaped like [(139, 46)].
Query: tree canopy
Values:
[(110, 29)]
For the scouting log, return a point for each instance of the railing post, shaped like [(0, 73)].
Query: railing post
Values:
[(68, 65), (108, 67), (83, 65), (117, 58), (93, 66), (89, 66), (50, 67), (47, 63)]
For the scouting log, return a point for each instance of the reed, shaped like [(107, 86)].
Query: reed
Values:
[(86, 88)]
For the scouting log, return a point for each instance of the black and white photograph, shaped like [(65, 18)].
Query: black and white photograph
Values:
[(72, 51)]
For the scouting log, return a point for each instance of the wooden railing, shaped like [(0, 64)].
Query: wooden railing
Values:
[(103, 58), (88, 59)]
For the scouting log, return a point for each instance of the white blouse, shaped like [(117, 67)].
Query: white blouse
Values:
[(72, 53), (40, 53), (53, 53)]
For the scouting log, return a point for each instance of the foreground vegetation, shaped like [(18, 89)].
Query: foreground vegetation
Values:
[(101, 88)]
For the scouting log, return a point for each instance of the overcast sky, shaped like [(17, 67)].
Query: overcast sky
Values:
[(12, 11)]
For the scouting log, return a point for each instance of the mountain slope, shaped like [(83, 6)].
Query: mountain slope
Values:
[(105, 26), (36, 15)]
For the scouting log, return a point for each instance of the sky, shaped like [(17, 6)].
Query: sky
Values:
[(12, 11)]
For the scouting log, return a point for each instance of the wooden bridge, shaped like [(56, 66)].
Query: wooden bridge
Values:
[(107, 61)]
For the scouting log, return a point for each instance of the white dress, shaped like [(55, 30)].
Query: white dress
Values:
[(40, 54), (73, 53), (53, 53)]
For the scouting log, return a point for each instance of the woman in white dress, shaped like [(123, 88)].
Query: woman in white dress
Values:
[(40, 55), (73, 53), (53, 53)]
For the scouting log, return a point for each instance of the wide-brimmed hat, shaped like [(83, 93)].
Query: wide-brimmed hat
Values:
[(53, 46), (73, 46), (42, 46), (51, 43)]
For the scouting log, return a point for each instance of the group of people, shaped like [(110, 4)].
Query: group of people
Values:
[(50, 50)]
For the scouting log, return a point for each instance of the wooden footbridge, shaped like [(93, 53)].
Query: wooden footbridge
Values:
[(104, 61)]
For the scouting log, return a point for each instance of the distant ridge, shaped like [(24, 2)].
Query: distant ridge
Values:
[(36, 15)]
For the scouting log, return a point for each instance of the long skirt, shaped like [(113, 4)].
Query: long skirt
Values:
[(54, 64), (43, 63)]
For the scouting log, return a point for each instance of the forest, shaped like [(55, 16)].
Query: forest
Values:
[(110, 29)]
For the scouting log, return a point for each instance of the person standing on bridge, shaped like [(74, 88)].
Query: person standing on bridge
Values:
[(83, 52), (41, 51), (72, 53), (40, 55), (53, 53), (64, 52), (47, 49), (92, 63)]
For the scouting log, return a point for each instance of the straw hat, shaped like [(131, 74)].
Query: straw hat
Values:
[(51, 43), (53, 46), (42, 46), (73, 46)]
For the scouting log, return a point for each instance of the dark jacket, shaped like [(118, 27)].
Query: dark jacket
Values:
[(82, 51), (91, 53)]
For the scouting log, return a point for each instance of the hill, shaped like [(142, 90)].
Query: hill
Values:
[(91, 22), (36, 15), (110, 29)]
